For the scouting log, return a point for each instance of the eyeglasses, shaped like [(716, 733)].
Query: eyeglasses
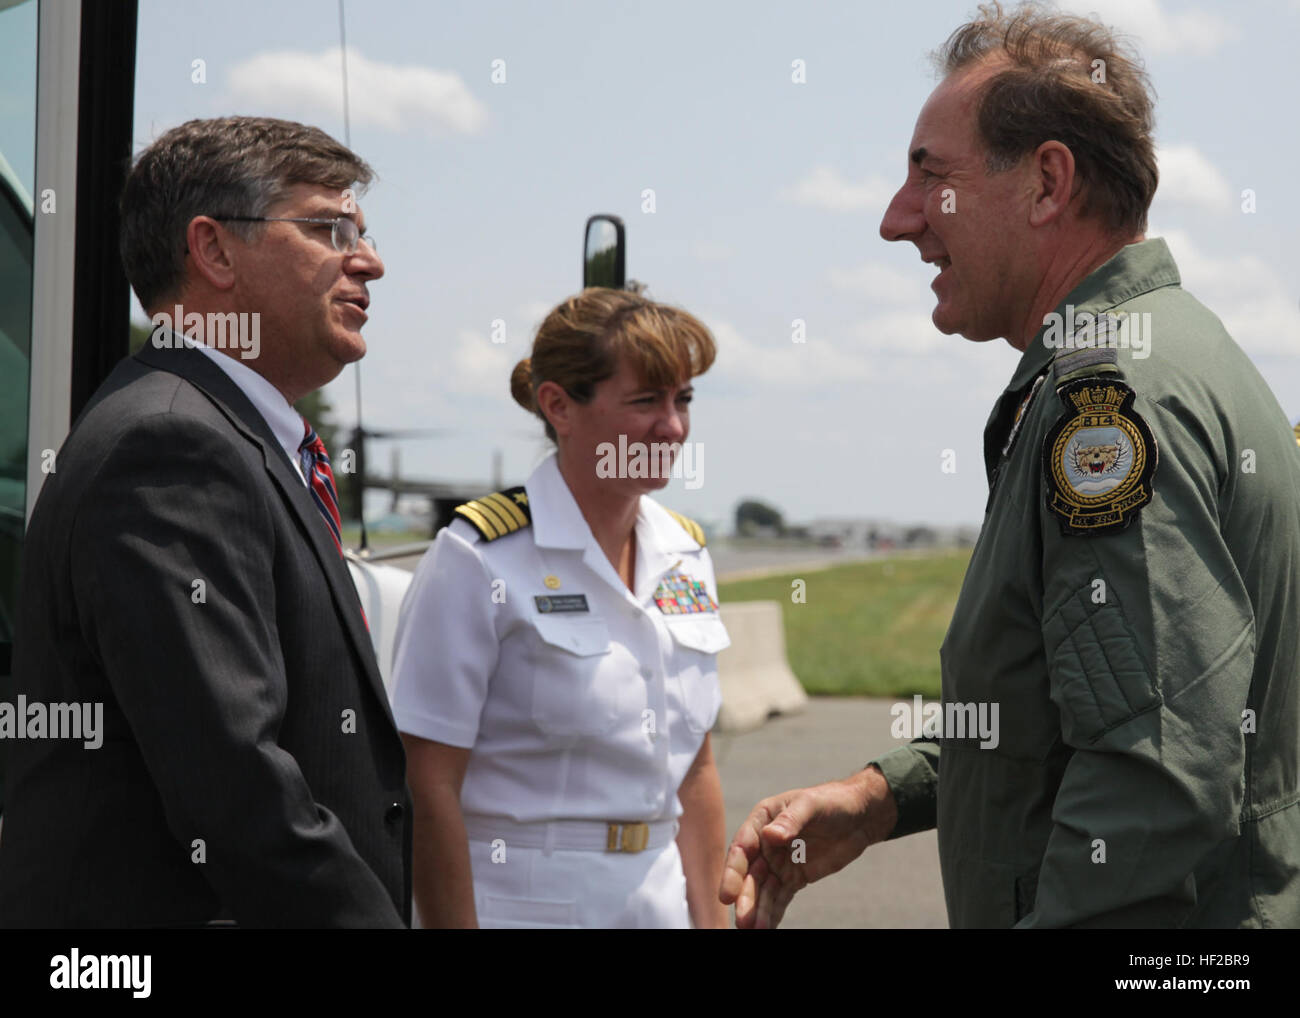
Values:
[(344, 236)]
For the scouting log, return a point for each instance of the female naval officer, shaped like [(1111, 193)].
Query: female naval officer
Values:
[(555, 660)]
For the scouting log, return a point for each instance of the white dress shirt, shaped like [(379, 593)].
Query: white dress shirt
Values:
[(284, 421), (580, 698)]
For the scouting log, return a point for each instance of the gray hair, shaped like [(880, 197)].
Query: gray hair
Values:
[(1072, 80), (232, 166)]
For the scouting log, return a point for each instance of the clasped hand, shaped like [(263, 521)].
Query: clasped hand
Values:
[(792, 839)]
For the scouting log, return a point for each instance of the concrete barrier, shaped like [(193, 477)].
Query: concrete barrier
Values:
[(755, 676)]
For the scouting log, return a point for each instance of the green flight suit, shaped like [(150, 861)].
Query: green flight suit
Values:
[(1146, 678)]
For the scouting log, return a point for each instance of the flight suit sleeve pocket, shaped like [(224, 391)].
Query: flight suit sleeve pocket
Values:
[(1098, 677)]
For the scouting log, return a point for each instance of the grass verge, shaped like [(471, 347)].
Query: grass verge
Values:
[(868, 628)]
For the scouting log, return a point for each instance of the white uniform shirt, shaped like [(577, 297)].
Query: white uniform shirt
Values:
[(571, 714)]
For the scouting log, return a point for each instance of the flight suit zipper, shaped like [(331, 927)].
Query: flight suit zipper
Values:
[(1021, 414)]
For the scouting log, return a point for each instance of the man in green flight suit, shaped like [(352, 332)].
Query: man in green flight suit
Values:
[(1132, 606)]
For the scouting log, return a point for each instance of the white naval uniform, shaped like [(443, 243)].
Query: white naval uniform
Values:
[(573, 715)]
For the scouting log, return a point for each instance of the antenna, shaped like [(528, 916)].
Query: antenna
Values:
[(343, 51), (361, 431)]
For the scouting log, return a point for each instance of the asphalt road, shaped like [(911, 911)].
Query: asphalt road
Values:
[(893, 885)]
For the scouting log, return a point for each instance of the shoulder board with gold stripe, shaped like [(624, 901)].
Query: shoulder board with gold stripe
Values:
[(689, 525), (498, 514), (1297, 434)]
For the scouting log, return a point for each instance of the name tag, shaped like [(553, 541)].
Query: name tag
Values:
[(549, 604)]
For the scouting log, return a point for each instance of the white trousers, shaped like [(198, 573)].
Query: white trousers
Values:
[(528, 888)]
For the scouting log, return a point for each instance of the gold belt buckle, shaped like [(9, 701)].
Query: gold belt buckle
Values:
[(634, 838)]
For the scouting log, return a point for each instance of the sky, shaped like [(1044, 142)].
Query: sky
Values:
[(497, 128), (17, 88)]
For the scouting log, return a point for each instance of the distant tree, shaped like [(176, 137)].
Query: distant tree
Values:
[(602, 265), (919, 537), (752, 514), (317, 409)]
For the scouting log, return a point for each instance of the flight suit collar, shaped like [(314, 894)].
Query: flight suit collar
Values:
[(1135, 269)]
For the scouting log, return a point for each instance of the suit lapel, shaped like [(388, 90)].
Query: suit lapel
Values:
[(227, 397)]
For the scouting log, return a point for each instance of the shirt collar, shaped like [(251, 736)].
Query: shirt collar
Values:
[(284, 421), (557, 520), (660, 542), (656, 527), (1135, 269), (559, 523)]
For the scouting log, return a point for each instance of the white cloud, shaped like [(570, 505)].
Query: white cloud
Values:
[(825, 188), (781, 361), (908, 332), (532, 313), (906, 348), (1156, 30), (880, 282), (481, 366), (711, 251), (900, 347), (1189, 178), (899, 324), (389, 96), (1255, 303)]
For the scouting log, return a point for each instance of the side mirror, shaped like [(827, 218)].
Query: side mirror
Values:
[(603, 253)]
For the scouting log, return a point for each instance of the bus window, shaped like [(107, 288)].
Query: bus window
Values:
[(17, 172)]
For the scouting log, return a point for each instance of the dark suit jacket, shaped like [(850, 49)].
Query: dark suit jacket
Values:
[(250, 768)]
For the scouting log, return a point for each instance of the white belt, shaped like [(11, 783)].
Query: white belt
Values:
[(574, 835)]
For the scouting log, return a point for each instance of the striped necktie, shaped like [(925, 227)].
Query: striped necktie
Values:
[(320, 479)]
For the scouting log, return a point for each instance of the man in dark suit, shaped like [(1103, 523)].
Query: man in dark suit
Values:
[(182, 569)]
